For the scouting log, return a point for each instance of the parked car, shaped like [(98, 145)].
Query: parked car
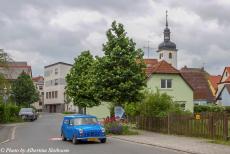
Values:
[(28, 114), (80, 127)]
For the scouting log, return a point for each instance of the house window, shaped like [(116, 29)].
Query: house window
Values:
[(56, 71), (226, 74), (170, 55), (56, 82), (56, 94), (52, 94), (47, 95), (166, 83), (40, 87), (40, 103)]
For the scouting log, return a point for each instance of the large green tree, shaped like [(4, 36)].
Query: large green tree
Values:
[(24, 90), (80, 82), (120, 75)]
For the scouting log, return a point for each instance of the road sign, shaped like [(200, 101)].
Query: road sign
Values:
[(119, 112)]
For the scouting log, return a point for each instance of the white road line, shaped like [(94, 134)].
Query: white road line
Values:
[(5, 141), (13, 133)]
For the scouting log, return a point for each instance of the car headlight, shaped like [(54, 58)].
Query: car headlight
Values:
[(102, 129), (80, 131)]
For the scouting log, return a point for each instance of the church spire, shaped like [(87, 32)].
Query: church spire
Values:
[(166, 18), (166, 30)]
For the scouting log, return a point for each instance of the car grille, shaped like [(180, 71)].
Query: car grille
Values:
[(91, 133)]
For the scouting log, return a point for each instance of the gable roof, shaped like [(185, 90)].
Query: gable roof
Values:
[(214, 80), (226, 69), (197, 78), (163, 67), (227, 86), (150, 64)]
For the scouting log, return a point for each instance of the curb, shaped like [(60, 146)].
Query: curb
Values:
[(155, 145)]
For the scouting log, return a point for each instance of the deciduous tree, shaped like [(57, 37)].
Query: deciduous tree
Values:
[(120, 75)]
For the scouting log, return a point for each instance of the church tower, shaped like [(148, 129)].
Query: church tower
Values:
[(167, 49)]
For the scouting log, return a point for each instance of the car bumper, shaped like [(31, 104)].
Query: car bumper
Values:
[(87, 138)]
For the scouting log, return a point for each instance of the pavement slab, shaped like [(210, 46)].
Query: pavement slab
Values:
[(180, 143)]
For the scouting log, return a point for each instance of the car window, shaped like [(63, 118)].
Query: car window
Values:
[(66, 121), (26, 110), (83, 121)]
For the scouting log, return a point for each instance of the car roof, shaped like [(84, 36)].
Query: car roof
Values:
[(80, 116)]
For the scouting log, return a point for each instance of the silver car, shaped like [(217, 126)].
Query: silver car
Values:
[(28, 114)]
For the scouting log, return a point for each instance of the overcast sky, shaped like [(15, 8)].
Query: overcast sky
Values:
[(42, 32)]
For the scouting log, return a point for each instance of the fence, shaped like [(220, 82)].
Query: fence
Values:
[(208, 125)]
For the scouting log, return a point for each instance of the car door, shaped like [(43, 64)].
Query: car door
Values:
[(64, 127), (68, 128)]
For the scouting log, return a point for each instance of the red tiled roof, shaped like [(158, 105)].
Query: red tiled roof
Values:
[(165, 68), (38, 78), (228, 79), (214, 80), (150, 64), (197, 78)]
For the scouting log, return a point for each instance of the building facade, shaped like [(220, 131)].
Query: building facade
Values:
[(14, 69), (54, 88), (167, 79), (39, 85)]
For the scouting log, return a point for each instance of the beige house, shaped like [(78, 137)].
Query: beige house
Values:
[(54, 88)]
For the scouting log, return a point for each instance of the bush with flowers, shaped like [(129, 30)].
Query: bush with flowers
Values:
[(117, 127)]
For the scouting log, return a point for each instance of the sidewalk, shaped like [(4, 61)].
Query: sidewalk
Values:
[(180, 143)]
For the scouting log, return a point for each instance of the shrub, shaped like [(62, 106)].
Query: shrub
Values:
[(208, 108), (227, 109), (9, 113), (68, 112), (156, 104), (132, 109), (117, 127)]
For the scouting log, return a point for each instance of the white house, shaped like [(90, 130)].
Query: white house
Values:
[(54, 89), (39, 85)]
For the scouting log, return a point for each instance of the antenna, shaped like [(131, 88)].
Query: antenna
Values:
[(148, 48)]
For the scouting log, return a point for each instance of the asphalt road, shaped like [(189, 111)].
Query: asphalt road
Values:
[(43, 136)]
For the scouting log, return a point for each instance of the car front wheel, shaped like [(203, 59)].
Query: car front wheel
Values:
[(103, 140), (74, 140)]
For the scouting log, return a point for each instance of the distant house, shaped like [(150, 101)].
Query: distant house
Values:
[(54, 88), (223, 92), (39, 85), (167, 79), (198, 79), (214, 80), (14, 69), (224, 96)]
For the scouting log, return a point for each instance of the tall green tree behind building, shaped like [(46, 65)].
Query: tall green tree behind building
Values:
[(120, 72), (24, 90), (81, 82)]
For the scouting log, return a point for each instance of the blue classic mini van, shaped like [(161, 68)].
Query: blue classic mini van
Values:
[(80, 127)]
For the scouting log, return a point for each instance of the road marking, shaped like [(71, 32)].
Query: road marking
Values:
[(55, 139), (5, 141), (13, 133)]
